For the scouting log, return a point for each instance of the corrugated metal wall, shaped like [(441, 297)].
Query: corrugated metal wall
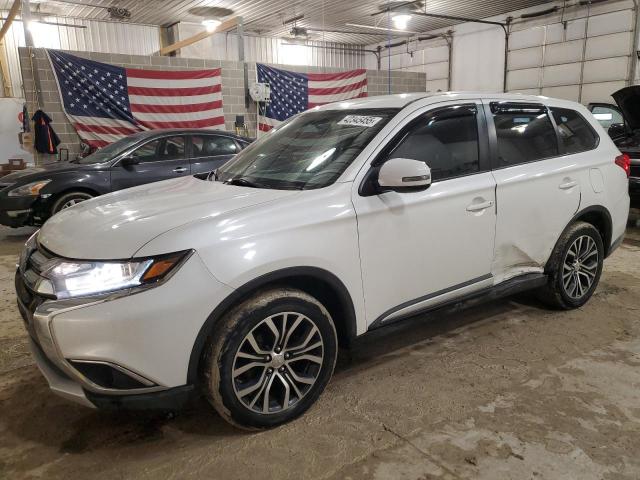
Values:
[(104, 37), (584, 56), (272, 50), (430, 57)]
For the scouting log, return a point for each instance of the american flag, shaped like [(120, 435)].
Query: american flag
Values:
[(292, 92), (105, 102)]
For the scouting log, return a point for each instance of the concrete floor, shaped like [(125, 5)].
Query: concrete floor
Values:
[(507, 390)]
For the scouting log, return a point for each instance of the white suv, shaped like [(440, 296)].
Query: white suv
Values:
[(343, 219)]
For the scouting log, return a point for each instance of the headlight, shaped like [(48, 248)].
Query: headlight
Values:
[(68, 278), (29, 190), (29, 246)]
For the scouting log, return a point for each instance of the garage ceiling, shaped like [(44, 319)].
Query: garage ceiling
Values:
[(266, 17)]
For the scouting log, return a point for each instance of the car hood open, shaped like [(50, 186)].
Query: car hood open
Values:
[(117, 225), (628, 99)]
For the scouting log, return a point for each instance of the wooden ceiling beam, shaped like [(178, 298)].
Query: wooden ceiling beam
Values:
[(15, 9), (223, 27)]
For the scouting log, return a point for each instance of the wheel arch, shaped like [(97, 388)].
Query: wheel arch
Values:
[(317, 282), (71, 189), (600, 218)]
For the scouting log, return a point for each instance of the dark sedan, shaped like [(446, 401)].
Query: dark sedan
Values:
[(622, 121), (30, 196)]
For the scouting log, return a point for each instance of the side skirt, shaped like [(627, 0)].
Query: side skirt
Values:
[(512, 286)]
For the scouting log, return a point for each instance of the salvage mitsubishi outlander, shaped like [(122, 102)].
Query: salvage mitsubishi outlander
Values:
[(341, 220)]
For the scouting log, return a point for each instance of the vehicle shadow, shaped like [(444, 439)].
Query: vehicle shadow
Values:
[(43, 418)]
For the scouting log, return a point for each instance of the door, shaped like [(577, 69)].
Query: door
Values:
[(538, 188), (159, 159), (418, 249), (209, 152)]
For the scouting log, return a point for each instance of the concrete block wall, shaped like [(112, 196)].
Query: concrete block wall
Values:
[(233, 98)]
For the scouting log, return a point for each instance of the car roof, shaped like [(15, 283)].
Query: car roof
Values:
[(401, 100), (191, 131)]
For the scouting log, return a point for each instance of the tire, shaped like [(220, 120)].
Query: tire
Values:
[(68, 200), (245, 361), (564, 268)]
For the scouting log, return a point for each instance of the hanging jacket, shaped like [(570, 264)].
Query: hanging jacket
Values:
[(26, 126), (45, 139)]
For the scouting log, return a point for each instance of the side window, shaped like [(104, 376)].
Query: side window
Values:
[(212, 145), (170, 148), (147, 152), (607, 116), (445, 139), (576, 135), (524, 133)]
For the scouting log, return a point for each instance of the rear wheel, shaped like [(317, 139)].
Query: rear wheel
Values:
[(270, 359), (574, 268), (68, 200)]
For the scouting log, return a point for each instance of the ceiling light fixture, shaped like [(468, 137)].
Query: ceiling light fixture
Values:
[(359, 25), (211, 24), (33, 25), (401, 20)]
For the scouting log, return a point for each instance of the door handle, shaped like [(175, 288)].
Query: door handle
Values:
[(567, 184), (474, 207), (180, 169)]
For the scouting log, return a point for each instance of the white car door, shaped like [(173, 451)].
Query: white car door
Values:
[(538, 189), (421, 248)]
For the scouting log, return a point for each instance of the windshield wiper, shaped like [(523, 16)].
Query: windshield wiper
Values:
[(243, 182)]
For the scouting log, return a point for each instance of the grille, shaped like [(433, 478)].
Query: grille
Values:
[(635, 171), (26, 279)]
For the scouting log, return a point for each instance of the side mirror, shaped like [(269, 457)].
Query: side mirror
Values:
[(404, 175), (129, 161), (617, 130)]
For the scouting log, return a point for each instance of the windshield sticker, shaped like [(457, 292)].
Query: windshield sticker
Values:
[(359, 120)]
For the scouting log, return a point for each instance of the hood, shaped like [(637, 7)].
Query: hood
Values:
[(41, 172), (117, 225), (628, 99)]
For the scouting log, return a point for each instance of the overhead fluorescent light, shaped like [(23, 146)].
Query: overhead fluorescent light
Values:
[(401, 20), (380, 28), (211, 24)]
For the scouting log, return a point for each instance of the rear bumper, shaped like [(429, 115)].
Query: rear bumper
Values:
[(634, 191)]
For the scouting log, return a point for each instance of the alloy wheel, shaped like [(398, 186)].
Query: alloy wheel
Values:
[(277, 363), (580, 266), (70, 203)]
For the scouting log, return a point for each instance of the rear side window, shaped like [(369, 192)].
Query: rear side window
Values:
[(445, 139), (607, 116), (212, 145), (576, 135), (524, 133)]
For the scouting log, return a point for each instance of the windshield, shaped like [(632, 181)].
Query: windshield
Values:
[(309, 151), (110, 151)]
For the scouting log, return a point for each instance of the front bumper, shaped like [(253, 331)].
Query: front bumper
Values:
[(146, 338), (16, 211)]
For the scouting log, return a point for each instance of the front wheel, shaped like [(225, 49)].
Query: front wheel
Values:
[(270, 359), (574, 268), (68, 200)]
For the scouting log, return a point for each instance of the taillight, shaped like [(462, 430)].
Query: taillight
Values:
[(624, 162)]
